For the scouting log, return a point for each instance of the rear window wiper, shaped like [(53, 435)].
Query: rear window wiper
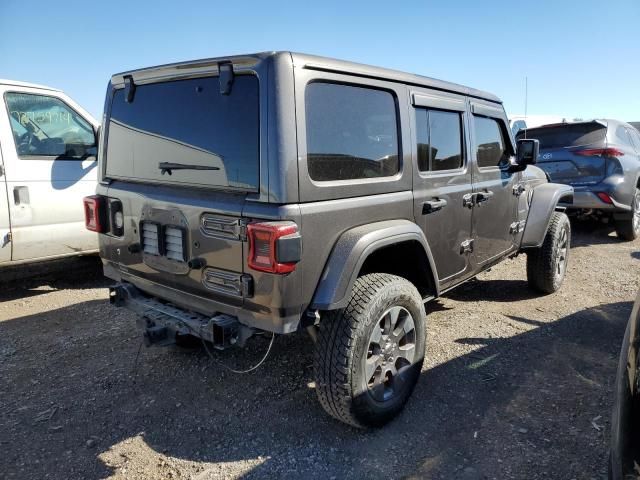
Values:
[(167, 167)]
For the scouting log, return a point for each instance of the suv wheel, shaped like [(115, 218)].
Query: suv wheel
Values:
[(369, 355), (629, 228), (547, 264)]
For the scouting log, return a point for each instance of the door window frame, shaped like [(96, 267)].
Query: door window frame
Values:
[(442, 102), (313, 190), (498, 114), (49, 157)]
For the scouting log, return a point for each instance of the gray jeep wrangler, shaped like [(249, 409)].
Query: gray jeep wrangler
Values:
[(279, 192)]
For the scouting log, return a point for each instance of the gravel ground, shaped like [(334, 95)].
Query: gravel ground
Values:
[(514, 386)]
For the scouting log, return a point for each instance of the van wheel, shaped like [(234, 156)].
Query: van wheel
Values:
[(629, 228), (368, 356), (547, 264)]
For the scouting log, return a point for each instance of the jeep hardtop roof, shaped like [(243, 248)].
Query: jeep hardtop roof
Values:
[(311, 62)]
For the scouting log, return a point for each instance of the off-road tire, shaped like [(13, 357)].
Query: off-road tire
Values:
[(542, 262), (629, 228), (343, 345)]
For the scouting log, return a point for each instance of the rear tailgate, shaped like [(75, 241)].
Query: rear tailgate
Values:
[(181, 157), (562, 151)]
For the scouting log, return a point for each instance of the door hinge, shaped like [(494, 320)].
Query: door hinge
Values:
[(469, 200), (6, 240), (466, 246), (517, 227), (242, 229), (1, 171), (519, 189)]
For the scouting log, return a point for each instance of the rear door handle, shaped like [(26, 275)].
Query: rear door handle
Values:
[(431, 206), (483, 197), (21, 195)]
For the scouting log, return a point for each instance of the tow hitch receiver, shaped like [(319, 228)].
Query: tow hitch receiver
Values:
[(161, 322)]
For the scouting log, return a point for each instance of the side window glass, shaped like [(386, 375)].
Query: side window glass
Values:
[(44, 126), (622, 135), (517, 126), (489, 142), (439, 136), (635, 135), (352, 132), (633, 141)]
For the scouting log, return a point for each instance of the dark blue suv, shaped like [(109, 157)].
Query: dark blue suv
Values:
[(601, 160)]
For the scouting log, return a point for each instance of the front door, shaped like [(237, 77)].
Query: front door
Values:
[(442, 181), (495, 200), (5, 226), (50, 165)]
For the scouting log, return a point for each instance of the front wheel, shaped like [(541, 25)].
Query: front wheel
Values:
[(629, 228), (547, 264), (369, 356)]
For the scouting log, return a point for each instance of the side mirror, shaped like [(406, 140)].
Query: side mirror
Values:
[(527, 152)]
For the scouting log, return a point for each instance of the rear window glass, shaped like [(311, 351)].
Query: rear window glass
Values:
[(214, 137), (570, 135), (352, 132)]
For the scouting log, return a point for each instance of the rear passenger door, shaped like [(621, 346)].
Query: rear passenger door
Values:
[(442, 180), (494, 195)]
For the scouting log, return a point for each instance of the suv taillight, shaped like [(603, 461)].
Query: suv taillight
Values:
[(95, 213), (274, 247), (599, 152)]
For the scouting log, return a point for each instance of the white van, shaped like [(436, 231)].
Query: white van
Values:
[(48, 152)]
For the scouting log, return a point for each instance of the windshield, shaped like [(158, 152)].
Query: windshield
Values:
[(569, 135), (191, 123)]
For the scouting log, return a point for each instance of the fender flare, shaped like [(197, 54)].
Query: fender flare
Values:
[(543, 203), (350, 252)]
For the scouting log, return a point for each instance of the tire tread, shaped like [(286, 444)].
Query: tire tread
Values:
[(540, 261), (334, 353)]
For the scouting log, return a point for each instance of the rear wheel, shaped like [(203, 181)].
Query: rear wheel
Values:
[(369, 355), (547, 264), (629, 228)]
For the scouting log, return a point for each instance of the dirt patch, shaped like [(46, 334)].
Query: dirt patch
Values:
[(514, 386)]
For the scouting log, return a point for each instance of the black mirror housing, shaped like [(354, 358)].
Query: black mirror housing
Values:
[(527, 151)]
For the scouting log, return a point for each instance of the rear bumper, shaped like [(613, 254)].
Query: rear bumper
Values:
[(588, 200), (162, 323), (276, 320)]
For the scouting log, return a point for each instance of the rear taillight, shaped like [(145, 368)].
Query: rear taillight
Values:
[(604, 197), (274, 247), (599, 152), (95, 213)]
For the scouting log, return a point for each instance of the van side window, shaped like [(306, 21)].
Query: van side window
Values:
[(352, 132), (489, 142), (517, 126), (45, 126), (439, 136)]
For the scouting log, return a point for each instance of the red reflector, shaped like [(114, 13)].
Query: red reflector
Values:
[(262, 246), (94, 213), (599, 152), (605, 198)]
